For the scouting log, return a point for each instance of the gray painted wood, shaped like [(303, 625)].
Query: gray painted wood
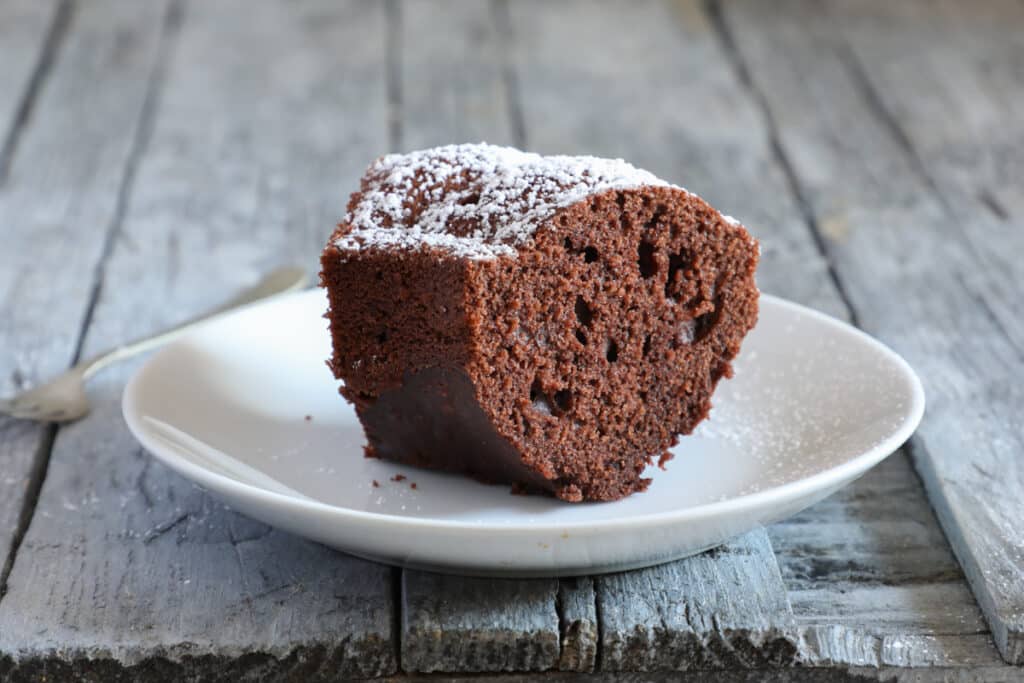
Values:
[(871, 578), (723, 609), (23, 30), (451, 75), (1001, 674), (58, 200), (974, 158), (577, 612), (127, 569), (877, 204), (494, 625), (29, 34)]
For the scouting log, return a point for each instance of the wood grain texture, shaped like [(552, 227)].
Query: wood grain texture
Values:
[(127, 570), (726, 608), (876, 202), (577, 613), (30, 33), (972, 159), (1001, 674), (451, 75), (715, 145), (872, 581), (58, 202), (494, 624)]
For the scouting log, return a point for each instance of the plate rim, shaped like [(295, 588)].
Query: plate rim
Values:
[(833, 476)]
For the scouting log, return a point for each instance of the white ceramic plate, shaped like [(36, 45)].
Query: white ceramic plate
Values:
[(814, 404)]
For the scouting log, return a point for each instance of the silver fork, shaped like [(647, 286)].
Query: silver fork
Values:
[(63, 399)]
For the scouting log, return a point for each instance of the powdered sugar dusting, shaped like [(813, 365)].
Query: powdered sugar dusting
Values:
[(475, 201)]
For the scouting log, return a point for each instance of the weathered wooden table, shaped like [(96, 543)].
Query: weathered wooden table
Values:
[(156, 156)]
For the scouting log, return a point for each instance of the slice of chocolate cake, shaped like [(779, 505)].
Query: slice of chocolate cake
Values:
[(546, 322)]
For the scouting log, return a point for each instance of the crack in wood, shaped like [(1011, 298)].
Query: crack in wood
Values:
[(989, 200), (36, 477), (58, 30), (872, 97), (140, 141), (51, 46), (162, 529), (728, 42)]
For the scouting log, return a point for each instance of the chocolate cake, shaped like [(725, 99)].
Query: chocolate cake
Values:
[(551, 323)]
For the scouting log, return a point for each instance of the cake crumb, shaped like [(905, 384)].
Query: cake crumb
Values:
[(412, 485), (376, 484), (664, 458), (309, 418), (398, 477)]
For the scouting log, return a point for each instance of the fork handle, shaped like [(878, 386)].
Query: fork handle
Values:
[(277, 282)]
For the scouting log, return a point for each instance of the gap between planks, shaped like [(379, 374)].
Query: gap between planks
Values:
[(63, 18), (51, 45)]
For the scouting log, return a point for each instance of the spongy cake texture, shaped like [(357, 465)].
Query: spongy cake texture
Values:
[(551, 323)]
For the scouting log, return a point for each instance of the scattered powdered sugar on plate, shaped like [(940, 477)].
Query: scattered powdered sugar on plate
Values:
[(475, 201)]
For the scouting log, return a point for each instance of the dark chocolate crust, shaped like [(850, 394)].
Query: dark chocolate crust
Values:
[(563, 369)]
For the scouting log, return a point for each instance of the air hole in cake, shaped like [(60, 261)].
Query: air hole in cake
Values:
[(583, 312), (382, 336), (648, 265), (589, 255), (539, 399), (470, 199), (703, 324), (647, 345), (611, 351), (675, 284), (696, 329), (659, 211), (567, 244), (365, 400), (380, 274), (581, 338), (563, 400)]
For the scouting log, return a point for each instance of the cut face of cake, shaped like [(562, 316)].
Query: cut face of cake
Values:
[(551, 323)]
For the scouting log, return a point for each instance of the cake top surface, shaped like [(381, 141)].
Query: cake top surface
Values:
[(474, 201)]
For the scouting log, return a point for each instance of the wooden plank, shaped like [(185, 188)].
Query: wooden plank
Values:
[(723, 609), (577, 613), (717, 146), (970, 162), (871, 578), (452, 88), (30, 33), (494, 625), (128, 571), (452, 75), (57, 203), (887, 206)]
